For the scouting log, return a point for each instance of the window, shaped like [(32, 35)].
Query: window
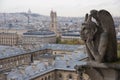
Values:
[(60, 76), (55, 53), (49, 78), (70, 77), (45, 78)]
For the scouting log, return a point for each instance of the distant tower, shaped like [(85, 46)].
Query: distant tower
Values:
[(28, 16), (53, 24), (29, 11), (4, 16)]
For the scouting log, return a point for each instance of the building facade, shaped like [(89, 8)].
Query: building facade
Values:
[(9, 39), (38, 37), (59, 75), (71, 36)]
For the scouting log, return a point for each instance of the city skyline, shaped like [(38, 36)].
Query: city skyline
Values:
[(69, 8)]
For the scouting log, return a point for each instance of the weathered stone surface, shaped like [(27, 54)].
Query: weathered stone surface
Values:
[(101, 45), (100, 37), (100, 71)]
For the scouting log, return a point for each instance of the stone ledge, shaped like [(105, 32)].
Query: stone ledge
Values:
[(99, 65), (99, 71)]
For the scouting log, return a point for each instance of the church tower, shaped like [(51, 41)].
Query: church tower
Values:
[(28, 16), (53, 23)]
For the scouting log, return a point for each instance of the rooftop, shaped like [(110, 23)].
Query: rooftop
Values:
[(6, 33), (8, 51), (63, 47), (72, 33), (67, 62), (42, 32)]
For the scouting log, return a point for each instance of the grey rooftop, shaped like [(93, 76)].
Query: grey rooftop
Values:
[(8, 51), (39, 68), (42, 32), (62, 47)]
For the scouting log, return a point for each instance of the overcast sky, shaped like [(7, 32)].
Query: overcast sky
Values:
[(62, 7)]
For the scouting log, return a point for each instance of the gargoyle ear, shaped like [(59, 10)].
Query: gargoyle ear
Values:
[(86, 17)]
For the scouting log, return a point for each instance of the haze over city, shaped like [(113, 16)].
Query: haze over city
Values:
[(73, 8)]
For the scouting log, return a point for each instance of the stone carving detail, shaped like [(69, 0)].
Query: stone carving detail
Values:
[(100, 36)]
